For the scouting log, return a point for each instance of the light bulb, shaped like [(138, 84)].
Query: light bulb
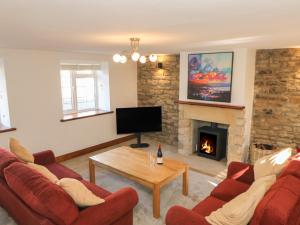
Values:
[(123, 59), (153, 57), (135, 56), (117, 58), (143, 59)]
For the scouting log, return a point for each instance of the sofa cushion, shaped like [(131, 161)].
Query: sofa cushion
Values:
[(208, 205), (229, 189), (20, 151), (6, 158), (294, 217), (117, 205), (17, 209), (44, 197), (242, 172), (100, 192), (62, 172), (44, 171), (239, 210), (280, 204), (81, 195), (293, 168)]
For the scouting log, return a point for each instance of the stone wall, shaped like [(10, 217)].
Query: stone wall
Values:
[(160, 87), (276, 112)]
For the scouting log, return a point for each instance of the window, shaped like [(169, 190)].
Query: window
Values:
[(85, 87), (4, 110)]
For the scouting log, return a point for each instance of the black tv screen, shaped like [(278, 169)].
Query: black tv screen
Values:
[(138, 119)]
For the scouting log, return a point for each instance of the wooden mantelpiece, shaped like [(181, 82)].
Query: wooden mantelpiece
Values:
[(217, 105)]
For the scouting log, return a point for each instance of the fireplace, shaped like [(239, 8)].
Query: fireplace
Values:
[(212, 142)]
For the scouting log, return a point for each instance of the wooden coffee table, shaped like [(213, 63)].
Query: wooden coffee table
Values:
[(134, 164)]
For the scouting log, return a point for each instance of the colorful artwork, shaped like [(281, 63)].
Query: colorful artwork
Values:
[(210, 76)]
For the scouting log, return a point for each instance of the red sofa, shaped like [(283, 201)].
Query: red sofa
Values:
[(280, 205), (31, 199)]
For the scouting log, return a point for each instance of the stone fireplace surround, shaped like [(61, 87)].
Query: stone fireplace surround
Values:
[(189, 114), (236, 115), (179, 120)]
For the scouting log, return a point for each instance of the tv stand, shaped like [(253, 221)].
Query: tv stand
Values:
[(139, 144)]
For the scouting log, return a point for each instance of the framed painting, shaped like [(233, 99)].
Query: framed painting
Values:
[(210, 76)]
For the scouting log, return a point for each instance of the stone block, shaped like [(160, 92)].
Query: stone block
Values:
[(282, 96)]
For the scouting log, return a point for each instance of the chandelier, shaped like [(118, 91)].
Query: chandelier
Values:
[(134, 54)]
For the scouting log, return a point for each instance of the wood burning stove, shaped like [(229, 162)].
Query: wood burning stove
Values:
[(212, 142)]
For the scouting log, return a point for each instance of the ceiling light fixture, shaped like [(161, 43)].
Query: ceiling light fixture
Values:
[(143, 59), (117, 58), (133, 54), (123, 59), (153, 58)]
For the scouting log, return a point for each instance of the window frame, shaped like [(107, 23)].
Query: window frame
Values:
[(74, 74), (5, 121)]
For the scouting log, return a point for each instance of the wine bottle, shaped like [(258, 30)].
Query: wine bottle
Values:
[(159, 158)]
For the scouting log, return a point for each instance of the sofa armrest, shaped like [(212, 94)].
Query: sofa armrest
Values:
[(116, 206), (241, 172), (44, 157), (178, 215)]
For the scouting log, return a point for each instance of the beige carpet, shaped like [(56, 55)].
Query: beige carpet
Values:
[(200, 187), (5, 219)]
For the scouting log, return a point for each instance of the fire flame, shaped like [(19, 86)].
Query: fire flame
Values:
[(207, 147)]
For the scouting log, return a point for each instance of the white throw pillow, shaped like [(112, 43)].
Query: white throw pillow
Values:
[(82, 196), (272, 164), (44, 171), (21, 152), (240, 210)]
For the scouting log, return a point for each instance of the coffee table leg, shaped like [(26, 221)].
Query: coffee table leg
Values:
[(92, 171), (156, 201), (185, 182)]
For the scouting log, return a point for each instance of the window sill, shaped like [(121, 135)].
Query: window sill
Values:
[(4, 129), (82, 115)]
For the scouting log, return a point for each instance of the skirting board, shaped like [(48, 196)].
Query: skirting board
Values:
[(94, 148)]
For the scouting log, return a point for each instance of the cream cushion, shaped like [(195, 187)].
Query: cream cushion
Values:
[(44, 171), (82, 196), (21, 152), (272, 164), (240, 210)]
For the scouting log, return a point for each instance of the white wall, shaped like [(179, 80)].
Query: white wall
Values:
[(242, 81), (34, 94)]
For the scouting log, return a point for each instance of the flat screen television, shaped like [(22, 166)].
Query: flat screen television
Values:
[(139, 120)]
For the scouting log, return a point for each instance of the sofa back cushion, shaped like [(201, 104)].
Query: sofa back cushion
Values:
[(293, 168), (281, 204), (44, 197), (6, 158), (272, 164)]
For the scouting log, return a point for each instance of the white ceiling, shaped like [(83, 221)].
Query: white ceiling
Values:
[(164, 26)]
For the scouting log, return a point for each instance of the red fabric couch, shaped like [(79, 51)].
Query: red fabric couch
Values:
[(31, 199), (280, 205)]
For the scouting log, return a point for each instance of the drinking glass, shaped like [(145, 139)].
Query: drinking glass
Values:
[(151, 159)]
